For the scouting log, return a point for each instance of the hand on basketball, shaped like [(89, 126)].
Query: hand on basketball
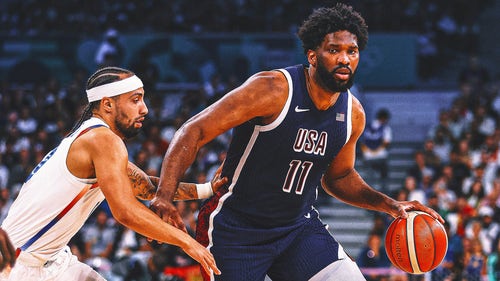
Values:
[(401, 208), (7, 251), (167, 211)]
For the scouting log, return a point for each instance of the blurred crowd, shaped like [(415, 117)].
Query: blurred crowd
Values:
[(443, 27), (35, 17)]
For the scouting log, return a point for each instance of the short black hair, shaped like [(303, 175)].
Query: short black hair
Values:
[(324, 21), (383, 113)]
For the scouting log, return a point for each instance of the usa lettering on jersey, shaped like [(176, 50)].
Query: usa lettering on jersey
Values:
[(310, 142)]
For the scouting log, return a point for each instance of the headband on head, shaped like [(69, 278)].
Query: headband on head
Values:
[(114, 89)]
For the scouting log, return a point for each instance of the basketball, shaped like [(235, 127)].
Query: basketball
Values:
[(417, 244)]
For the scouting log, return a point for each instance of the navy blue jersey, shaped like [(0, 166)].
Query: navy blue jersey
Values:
[(275, 170)]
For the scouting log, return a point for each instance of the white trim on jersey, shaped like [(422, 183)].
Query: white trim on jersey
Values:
[(284, 111), (349, 116)]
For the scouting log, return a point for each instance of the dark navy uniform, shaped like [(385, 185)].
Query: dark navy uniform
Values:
[(264, 222)]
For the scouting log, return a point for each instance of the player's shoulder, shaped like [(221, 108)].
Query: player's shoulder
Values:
[(357, 108), (358, 117), (100, 137), (273, 80)]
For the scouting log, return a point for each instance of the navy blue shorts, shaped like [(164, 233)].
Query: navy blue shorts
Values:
[(288, 253)]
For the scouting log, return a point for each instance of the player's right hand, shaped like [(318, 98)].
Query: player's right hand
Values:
[(7, 251), (167, 211)]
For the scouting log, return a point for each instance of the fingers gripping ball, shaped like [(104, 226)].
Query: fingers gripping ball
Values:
[(417, 244)]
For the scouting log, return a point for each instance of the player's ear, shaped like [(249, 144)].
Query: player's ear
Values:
[(311, 57), (107, 104)]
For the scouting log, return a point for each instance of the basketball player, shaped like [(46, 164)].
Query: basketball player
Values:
[(295, 129), (90, 165)]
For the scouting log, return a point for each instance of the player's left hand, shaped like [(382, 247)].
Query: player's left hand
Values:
[(217, 182), (400, 209)]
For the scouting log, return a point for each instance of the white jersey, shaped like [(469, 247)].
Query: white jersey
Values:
[(39, 221)]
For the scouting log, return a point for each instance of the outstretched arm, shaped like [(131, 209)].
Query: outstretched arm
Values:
[(238, 106), (342, 181), (145, 186), (110, 159)]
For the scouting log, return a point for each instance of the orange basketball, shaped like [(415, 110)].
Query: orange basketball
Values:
[(416, 244)]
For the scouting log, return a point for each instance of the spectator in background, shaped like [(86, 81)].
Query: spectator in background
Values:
[(99, 237), (474, 73), (493, 263), (475, 194), (483, 124), (459, 215), (110, 52), (214, 88), (442, 129), (142, 265), (156, 147), (490, 229), (373, 255), (460, 171), (445, 271), (442, 146), (414, 191), (477, 175), (4, 173), (146, 69), (26, 124), (375, 141), (457, 122), (20, 171), (431, 158), (433, 202), (463, 152), (419, 167), (475, 262)]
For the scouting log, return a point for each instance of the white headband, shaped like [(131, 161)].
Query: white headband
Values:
[(113, 89)]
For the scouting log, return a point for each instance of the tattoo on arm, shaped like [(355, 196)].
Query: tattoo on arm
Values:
[(142, 186), (186, 191), (145, 186)]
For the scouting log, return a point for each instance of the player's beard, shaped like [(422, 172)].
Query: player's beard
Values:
[(128, 131), (328, 80)]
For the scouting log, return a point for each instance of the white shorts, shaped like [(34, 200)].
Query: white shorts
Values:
[(341, 270), (63, 267)]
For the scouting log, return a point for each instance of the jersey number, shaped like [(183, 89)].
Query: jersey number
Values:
[(295, 165)]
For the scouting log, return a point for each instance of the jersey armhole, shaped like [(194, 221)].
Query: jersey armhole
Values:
[(349, 116), (285, 108)]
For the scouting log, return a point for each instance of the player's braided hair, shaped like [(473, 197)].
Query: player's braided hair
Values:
[(324, 21), (102, 76)]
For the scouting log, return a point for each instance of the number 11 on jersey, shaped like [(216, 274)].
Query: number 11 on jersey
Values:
[(295, 166)]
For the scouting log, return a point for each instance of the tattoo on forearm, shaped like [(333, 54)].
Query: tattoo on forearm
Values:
[(142, 186), (186, 191)]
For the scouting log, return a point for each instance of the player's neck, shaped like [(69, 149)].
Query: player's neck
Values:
[(321, 98)]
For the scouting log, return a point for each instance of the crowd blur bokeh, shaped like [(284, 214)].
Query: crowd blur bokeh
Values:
[(456, 171)]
